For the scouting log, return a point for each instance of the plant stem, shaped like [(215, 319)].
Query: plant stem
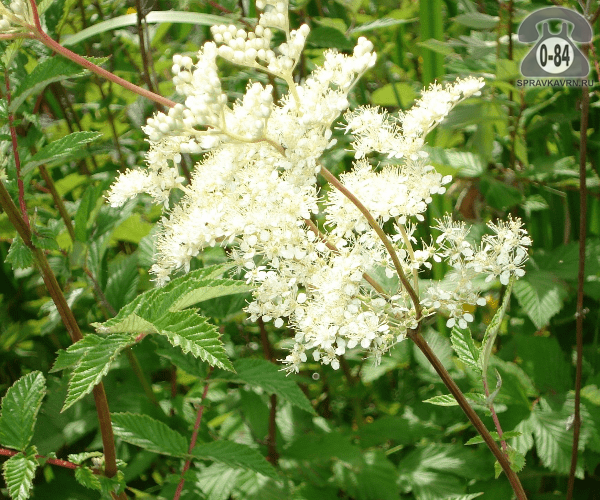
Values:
[(188, 461), (271, 440), (13, 137), (585, 105), (70, 323), (57, 201), (40, 35), (380, 233), (418, 339)]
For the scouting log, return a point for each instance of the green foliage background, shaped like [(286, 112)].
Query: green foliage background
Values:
[(364, 432)]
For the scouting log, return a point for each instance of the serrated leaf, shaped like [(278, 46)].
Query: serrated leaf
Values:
[(261, 373), (19, 256), (463, 345), (442, 400), (86, 477), (61, 148), (217, 481), (159, 311), (553, 440), (193, 333), (540, 295), (122, 282), (489, 337), (93, 365), (150, 434), (235, 455), (73, 354), (19, 471), (20, 406), (53, 69)]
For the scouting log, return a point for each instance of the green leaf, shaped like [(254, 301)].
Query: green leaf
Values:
[(463, 345), (123, 279), (73, 354), (150, 434), (384, 22), (86, 477), (152, 17), (442, 400), (19, 255), (87, 204), (94, 364), (160, 311), (489, 337), (193, 333), (394, 94), (53, 69), (61, 149), (19, 471), (552, 438), (20, 406), (500, 195), (235, 455), (541, 295), (262, 373), (506, 435), (374, 478), (477, 20), (217, 481), (44, 238), (328, 38)]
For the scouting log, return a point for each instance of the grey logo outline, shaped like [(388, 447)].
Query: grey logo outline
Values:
[(581, 33)]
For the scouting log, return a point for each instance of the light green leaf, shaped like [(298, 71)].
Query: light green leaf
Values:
[(541, 295), (61, 148), (86, 477), (194, 334), (394, 94), (217, 481), (384, 22), (73, 354), (442, 400), (552, 438), (123, 279), (19, 255), (160, 311), (93, 365), (152, 17), (506, 435), (235, 455), (477, 20), (262, 373), (150, 434), (489, 337), (20, 406), (463, 345), (19, 471), (53, 69)]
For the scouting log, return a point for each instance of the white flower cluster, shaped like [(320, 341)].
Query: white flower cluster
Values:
[(16, 16), (255, 191)]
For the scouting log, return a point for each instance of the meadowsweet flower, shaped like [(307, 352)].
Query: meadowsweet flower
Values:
[(255, 190), (15, 17)]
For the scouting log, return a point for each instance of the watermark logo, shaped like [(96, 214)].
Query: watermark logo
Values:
[(555, 55)]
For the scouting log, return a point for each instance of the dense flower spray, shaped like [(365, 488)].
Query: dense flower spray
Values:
[(255, 191)]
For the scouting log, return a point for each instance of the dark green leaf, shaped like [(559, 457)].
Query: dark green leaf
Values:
[(235, 455), (19, 256), (61, 149), (150, 434)]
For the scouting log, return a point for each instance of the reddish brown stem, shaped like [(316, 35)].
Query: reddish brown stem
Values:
[(40, 35), (585, 105), (13, 137), (188, 462)]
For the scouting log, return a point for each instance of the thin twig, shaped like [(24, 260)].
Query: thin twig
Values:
[(13, 137), (585, 105), (197, 424), (271, 440)]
